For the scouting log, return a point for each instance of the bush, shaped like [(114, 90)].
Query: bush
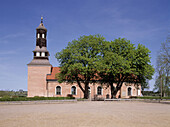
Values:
[(133, 97), (69, 95), (15, 98)]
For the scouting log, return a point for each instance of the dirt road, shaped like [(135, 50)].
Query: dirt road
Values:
[(86, 114)]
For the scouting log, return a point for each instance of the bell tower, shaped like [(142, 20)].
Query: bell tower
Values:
[(40, 66), (40, 53)]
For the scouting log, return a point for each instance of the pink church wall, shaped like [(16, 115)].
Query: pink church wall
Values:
[(39, 86), (37, 80)]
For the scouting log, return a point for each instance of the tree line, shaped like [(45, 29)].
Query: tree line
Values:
[(91, 59)]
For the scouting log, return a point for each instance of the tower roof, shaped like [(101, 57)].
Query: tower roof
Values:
[(41, 26), (43, 62)]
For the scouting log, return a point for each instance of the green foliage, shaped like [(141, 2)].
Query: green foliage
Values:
[(143, 68), (123, 62), (7, 98), (91, 57), (150, 93), (79, 61), (19, 93)]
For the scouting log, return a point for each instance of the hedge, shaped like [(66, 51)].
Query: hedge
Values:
[(7, 98)]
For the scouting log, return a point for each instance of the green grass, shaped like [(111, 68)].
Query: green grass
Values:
[(152, 97), (7, 98)]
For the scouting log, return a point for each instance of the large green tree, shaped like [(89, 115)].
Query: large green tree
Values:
[(79, 61), (122, 62), (91, 58)]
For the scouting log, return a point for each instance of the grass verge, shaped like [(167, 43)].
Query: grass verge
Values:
[(152, 97), (33, 98)]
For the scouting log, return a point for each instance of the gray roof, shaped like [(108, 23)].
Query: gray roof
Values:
[(40, 62), (38, 49), (41, 26)]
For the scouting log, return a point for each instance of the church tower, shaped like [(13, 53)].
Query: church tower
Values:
[(40, 66)]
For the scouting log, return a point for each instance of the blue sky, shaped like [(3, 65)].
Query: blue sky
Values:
[(140, 21)]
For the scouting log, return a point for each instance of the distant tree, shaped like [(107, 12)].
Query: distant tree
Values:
[(79, 61), (122, 62), (163, 69)]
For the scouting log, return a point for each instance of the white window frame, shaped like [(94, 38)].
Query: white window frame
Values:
[(71, 90), (56, 90), (101, 90)]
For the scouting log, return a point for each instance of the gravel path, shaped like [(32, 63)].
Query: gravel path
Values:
[(86, 114)]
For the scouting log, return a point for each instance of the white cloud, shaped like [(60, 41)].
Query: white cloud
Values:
[(5, 39), (7, 52)]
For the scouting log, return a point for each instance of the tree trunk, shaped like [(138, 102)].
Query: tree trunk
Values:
[(118, 87), (86, 92), (112, 90)]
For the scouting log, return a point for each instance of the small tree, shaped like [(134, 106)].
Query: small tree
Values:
[(163, 64)]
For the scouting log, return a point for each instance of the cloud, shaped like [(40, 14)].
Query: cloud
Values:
[(7, 52), (5, 39)]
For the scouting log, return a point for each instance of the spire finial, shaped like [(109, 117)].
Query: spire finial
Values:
[(41, 19)]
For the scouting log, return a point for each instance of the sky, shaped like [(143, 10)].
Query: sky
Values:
[(140, 21)]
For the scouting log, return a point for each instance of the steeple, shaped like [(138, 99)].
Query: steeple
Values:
[(40, 52), (41, 19), (41, 33)]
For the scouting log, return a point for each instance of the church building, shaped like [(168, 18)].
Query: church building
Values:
[(42, 79)]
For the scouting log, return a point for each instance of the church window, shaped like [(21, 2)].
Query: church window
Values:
[(73, 90), (38, 36), (42, 35), (129, 91), (99, 90), (43, 54), (58, 90), (89, 90), (138, 92), (37, 54)]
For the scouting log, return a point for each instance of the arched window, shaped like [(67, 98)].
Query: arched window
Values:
[(129, 91), (58, 90), (42, 35), (38, 36), (138, 92), (73, 90), (37, 53), (43, 54), (99, 90)]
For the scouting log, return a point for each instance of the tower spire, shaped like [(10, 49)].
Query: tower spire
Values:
[(41, 53), (41, 19)]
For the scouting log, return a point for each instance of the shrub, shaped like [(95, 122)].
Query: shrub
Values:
[(69, 95), (7, 98)]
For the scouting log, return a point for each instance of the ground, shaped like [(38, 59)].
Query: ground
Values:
[(86, 114)]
